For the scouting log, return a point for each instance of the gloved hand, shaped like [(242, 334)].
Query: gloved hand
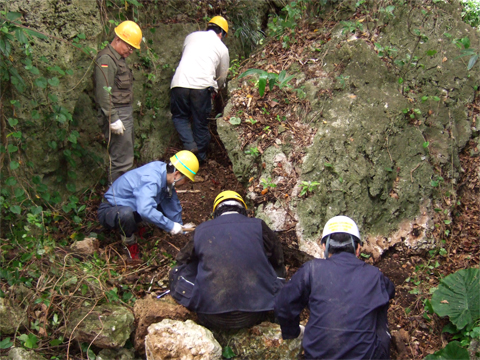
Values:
[(302, 332), (177, 229), (117, 127), (187, 228)]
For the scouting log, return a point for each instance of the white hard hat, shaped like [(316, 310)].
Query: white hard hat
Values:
[(341, 224)]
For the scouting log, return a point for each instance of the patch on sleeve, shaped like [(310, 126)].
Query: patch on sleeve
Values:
[(104, 65)]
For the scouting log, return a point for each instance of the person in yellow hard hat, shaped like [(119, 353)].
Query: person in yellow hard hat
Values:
[(202, 72), (115, 113), (231, 269), (147, 194)]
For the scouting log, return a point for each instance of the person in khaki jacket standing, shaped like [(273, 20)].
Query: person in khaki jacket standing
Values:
[(113, 81)]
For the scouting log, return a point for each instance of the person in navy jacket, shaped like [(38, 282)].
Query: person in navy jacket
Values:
[(347, 298), (232, 268)]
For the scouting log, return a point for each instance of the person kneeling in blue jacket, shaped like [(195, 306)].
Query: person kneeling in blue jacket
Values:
[(348, 300), (147, 194), (232, 268)]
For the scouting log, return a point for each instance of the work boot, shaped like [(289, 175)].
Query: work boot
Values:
[(131, 248), (132, 251)]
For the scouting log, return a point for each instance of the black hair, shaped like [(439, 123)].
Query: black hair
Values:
[(170, 168), (226, 208), (217, 29), (342, 238)]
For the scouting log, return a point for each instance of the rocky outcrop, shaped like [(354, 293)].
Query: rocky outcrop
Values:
[(380, 136), (106, 326), (172, 339), (151, 310), (62, 76)]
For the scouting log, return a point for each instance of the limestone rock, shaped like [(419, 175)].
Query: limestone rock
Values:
[(375, 151), (11, 317), (151, 310), (86, 247), (23, 354), (262, 342), (172, 339), (108, 326)]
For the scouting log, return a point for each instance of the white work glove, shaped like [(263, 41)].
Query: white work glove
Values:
[(117, 127), (302, 332), (177, 229), (188, 226)]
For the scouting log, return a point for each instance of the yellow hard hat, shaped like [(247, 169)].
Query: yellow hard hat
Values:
[(227, 195), (186, 162), (220, 21), (129, 32)]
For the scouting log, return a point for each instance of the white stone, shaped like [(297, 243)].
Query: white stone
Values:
[(173, 339)]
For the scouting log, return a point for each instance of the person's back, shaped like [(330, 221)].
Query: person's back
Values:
[(347, 299), (231, 270), (202, 55)]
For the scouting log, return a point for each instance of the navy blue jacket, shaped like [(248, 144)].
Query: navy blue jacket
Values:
[(348, 302), (235, 265)]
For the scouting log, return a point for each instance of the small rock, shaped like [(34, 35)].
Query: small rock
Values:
[(151, 310), (12, 317), (120, 354), (23, 354), (261, 342), (172, 339), (88, 246)]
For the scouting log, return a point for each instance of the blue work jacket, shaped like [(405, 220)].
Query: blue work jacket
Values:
[(348, 300), (145, 191)]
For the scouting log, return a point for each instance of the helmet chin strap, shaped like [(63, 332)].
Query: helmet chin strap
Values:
[(172, 186)]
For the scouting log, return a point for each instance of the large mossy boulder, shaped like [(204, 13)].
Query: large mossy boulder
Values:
[(106, 326), (385, 120)]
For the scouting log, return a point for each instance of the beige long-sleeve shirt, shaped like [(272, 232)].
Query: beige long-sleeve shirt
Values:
[(204, 63)]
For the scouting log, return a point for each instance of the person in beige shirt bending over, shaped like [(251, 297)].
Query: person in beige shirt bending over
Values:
[(202, 70)]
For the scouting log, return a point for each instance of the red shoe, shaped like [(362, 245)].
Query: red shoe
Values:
[(132, 251)]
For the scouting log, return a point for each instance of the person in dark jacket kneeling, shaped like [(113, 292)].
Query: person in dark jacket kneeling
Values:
[(348, 300), (231, 269)]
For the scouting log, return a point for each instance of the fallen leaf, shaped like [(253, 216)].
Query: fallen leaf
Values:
[(444, 302)]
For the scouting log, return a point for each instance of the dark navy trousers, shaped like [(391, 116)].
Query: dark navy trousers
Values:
[(197, 105)]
